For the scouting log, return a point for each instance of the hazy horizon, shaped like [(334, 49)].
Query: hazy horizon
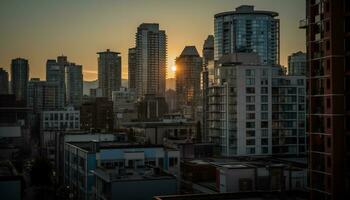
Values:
[(41, 30)]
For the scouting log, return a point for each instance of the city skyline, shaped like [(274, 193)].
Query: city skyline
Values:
[(102, 26)]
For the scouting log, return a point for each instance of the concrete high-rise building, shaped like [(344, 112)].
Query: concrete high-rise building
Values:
[(151, 52), (207, 79), (132, 68), (55, 73), (42, 95), (4, 81), (109, 72), (19, 78), (288, 115), (297, 64), (188, 79), (328, 60), (74, 83), (247, 30), (69, 78), (97, 114), (208, 49), (255, 109)]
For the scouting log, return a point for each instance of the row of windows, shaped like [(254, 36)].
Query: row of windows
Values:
[(264, 141), (263, 124), (251, 90), (251, 150), (61, 116)]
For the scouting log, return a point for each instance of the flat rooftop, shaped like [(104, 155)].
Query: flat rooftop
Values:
[(111, 175), (89, 146)]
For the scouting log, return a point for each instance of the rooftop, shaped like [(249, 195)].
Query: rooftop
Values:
[(189, 51), (90, 146), (247, 9), (111, 175)]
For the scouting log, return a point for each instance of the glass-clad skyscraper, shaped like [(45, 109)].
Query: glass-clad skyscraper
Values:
[(247, 30)]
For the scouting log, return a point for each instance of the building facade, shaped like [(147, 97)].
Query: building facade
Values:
[(244, 109), (55, 74), (188, 79), (42, 95), (83, 159), (297, 64), (74, 83), (247, 30), (151, 52), (19, 78), (124, 106), (4, 81), (151, 108), (289, 115), (132, 68), (207, 79), (97, 115), (328, 47), (109, 72)]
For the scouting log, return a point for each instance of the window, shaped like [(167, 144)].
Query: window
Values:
[(250, 99), (249, 72), (264, 141), (264, 90), (264, 132), (265, 72), (250, 133), (250, 142), (264, 124), (250, 107), (300, 82), (264, 81), (264, 115), (264, 99), (264, 107), (250, 115), (250, 81), (250, 150), (250, 90), (250, 124), (264, 150)]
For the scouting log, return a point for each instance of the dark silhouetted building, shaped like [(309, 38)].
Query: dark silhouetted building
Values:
[(151, 51), (297, 64), (208, 49), (97, 115), (42, 95), (207, 71), (55, 74), (109, 72), (4, 81), (74, 85), (188, 79), (19, 78), (132, 68), (151, 108), (328, 57)]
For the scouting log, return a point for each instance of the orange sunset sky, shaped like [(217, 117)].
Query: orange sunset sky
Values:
[(40, 30)]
